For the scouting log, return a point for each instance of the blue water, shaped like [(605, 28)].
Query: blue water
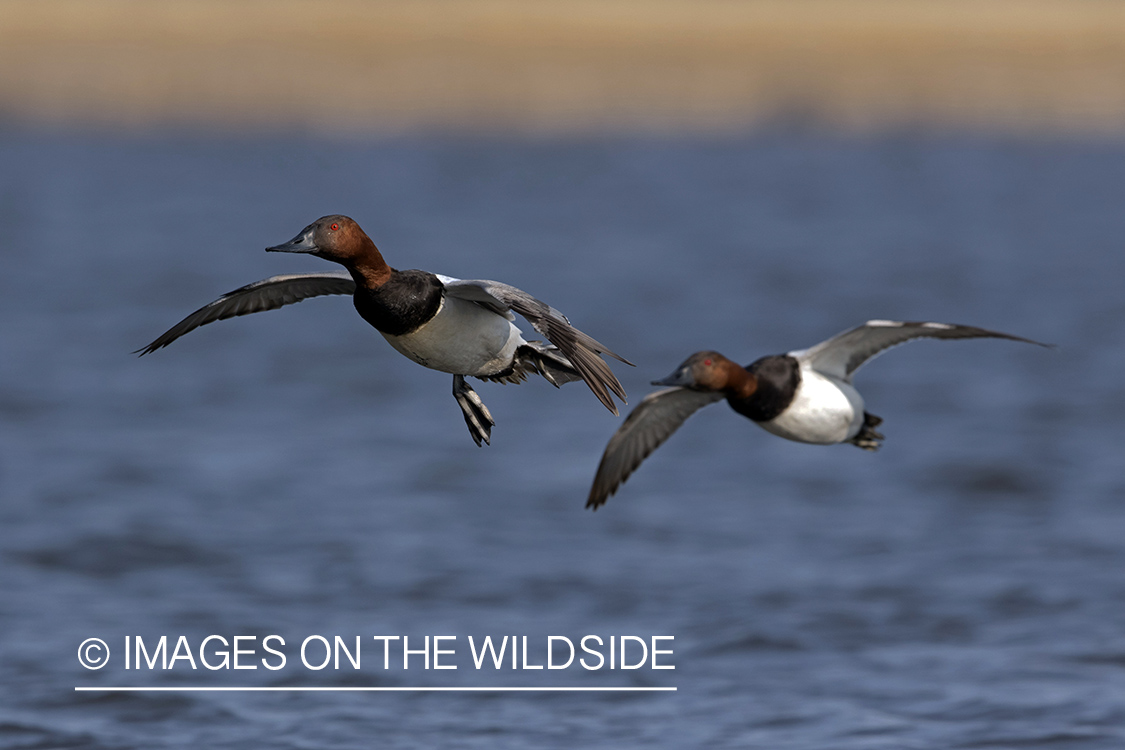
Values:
[(290, 474)]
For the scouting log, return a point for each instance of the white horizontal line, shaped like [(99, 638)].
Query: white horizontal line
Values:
[(409, 689)]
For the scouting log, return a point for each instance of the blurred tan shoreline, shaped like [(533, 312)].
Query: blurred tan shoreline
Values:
[(661, 66)]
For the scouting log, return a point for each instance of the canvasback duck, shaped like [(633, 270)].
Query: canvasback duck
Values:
[(463, 327), (805, 395)]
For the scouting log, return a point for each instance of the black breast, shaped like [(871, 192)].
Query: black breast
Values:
[(778, 377), (406, 301)]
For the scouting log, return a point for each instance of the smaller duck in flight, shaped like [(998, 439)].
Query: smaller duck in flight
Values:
[(463, 327), (805, 395)]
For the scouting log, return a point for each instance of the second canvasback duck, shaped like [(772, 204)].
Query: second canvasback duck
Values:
[(805, 395), (452, 325)]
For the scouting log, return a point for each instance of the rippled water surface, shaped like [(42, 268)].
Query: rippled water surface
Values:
[(290, 474)]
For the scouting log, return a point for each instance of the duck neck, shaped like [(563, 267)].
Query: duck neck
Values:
[(741, 384), (368, 267)]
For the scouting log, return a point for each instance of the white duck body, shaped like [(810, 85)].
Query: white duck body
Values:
[(462, 338), (824, 410)]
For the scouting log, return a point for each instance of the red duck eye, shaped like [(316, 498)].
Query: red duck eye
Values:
[(334, 227), (707, 362)]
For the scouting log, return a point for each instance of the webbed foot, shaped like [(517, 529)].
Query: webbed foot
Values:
[(867, 437), (477, 416)]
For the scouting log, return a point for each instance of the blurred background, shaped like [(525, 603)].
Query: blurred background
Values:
[(624, 66), (750, 177)]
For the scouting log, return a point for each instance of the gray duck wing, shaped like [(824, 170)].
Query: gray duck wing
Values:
[(582, 351), (843, 354), (656, 417), (267, 294)]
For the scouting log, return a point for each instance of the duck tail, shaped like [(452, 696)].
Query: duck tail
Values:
[(548, 361)]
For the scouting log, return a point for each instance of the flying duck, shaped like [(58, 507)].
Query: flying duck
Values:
[(805, 395), (463, 327)]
